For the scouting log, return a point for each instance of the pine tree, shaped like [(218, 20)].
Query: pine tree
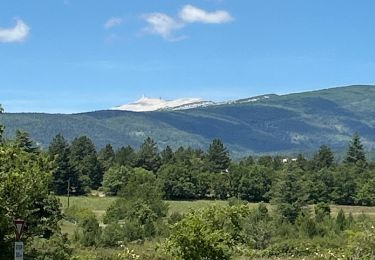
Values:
[(218, 156), (355, 154), (148, 156), (289, 195), (341, 220), (247, 161), (324, 158), (24, 142), (106, 157), (126, 156), (84, 158), (167, 155), (59, 152)]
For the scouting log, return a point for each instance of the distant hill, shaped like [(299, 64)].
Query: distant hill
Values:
[(265, 124)]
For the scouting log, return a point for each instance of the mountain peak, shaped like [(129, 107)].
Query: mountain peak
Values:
[(145, 104)]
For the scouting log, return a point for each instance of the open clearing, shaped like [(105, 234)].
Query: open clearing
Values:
[(99, 205)]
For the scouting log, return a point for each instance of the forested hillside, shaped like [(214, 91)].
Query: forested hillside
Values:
[(277, 124)]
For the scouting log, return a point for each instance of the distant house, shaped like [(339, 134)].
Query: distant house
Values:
[(286, 160)]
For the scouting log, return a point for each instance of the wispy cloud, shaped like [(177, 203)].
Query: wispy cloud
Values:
[(192, 14), (112, 22), (18, 33), (165, 25)]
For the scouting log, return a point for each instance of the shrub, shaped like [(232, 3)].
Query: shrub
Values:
[(54, 248)]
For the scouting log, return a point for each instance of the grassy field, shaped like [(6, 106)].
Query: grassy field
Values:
[(99, 205)]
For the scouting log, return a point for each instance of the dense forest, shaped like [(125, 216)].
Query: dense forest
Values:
[(293, 216)]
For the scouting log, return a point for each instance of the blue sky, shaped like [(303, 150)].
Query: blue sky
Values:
[(83, 55)]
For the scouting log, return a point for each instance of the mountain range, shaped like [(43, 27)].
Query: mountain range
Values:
[(291, 123)]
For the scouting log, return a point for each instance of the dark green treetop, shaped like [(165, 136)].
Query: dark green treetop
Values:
[(84, 158), (217, 156), (167, 155), (148, 155), (24, 142), (107, 156), (355, 152), (324, 158), (126, 156), (59, 152)]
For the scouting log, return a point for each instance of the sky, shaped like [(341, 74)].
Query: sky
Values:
[(66, 56)]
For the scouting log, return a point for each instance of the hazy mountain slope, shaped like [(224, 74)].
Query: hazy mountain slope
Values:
[(295, 122)]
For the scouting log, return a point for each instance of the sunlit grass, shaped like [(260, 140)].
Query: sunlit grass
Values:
[(99, 205)]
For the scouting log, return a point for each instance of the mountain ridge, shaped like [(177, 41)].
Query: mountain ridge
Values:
[(289, 123)]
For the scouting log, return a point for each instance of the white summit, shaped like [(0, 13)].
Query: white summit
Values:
[(153, 104)]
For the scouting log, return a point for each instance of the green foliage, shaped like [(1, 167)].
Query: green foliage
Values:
[(24, 142), (344, 186), (126, 156), (356, 154), (257, 228), (84, 159), (324, 158), (178, 182), (175, 217), (206, 234), (90, 230), (148, 155), (306, 224), (322, 211), (265, 160), (220, 185), (106, 157), (115, 178), (247, 161), (341, 222), (254, 184), (140, 206), (217, 157), (320, 185), (76, 213), (289, 195), (24, 181), (64, 172), (112, 235), (366, 193), (167, 155), (290, 248), (362, 244), (56, 247)]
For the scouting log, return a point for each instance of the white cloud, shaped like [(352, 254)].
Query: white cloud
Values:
[(163, 25), (112, 22), (16, 34), (192, 14)]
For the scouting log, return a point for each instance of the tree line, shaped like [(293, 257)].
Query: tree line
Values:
[(188, 173)]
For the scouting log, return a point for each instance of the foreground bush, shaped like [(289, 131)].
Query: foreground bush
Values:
[(207, 234)]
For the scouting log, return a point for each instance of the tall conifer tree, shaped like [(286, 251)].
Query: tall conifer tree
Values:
[(218, 156), (355, 152), (64, 172)]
